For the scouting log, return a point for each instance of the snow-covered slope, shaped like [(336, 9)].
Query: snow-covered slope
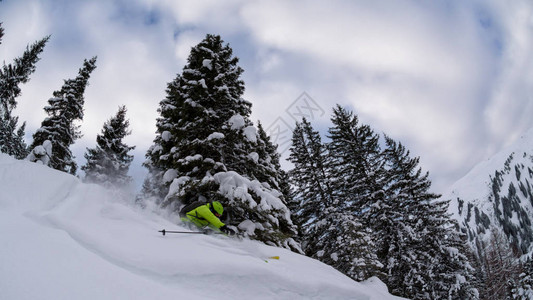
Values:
[(63, 239), (498, 192)]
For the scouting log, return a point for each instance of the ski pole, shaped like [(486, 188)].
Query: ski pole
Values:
[(171, 231)]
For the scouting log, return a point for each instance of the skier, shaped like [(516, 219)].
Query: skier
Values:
[(203, 215)]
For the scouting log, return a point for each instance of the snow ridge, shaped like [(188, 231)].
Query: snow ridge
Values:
[(498, 193)]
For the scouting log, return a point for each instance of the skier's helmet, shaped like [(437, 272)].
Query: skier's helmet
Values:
[(216, 208)]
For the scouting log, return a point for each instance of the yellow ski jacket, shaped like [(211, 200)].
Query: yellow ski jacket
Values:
[(202, 216)]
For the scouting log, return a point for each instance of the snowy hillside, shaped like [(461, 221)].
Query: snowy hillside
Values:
[(498, 192), (62, 239)]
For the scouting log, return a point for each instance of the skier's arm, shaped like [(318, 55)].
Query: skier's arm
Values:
[(209, 216)]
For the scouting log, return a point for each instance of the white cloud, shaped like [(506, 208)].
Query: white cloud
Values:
[(404, 38), (20, 32), (415, 71), (212, 15), (184, 43), (510, 106)]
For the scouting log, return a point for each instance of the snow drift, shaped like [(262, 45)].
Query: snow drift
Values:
[(63, 239)]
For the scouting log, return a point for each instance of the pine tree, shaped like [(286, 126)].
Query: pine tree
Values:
[(441, 268), (332, 230), (205, 96), (313, 192), (454, 273), (108, 163), (501, 265), (476, 260), (11, 76), (395, 215), (344, 243), (64, 109), (354, 168), (268, 160), (270, 170), (206, 147), (524, 288), (355, 162), (405, 197)]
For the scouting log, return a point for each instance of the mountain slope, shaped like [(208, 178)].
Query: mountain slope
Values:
[(62, 239), (498, 192)]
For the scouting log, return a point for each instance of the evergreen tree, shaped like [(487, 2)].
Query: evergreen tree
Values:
[(108, 163), (475, 258), (441, 268), (424, 257), (59, 128), (395, 215), (354, 168), (453, 272), (268, 160), (406, 196), (205, 96), (501, 265), (309, 176), (206, 147), (11, 76), (524, 288), (332, 230), (354, 163), (343, 243)]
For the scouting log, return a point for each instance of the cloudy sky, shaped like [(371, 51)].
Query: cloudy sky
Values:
[(452, 80)]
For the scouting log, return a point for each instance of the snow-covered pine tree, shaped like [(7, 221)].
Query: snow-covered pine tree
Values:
[(395, 215), (355, 170), (268, 160), (11, 76), (441, 269), (344, 244), (501, 266), (474, 255), (207, 148), (331, 231), (312, 188), (64, 109), (354, 163), (269, 168), (190, 103), (454, 268), (109, 162), (524, 287)]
